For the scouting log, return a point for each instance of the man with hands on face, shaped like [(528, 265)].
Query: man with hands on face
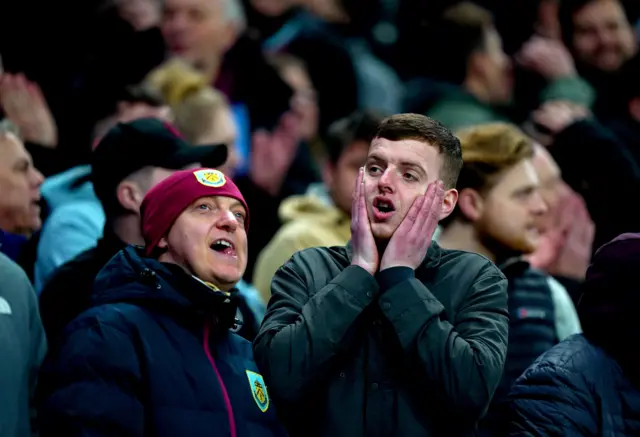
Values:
[(390, 335)]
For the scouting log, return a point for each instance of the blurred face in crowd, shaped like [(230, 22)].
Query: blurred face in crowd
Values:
[(141, 14), (19, 188), (304, 103), (493, 69), (506, 217), (197, 30), (223, 131), (209, 240), (396, 173), (603, 37), (552, 188), (341, 177)]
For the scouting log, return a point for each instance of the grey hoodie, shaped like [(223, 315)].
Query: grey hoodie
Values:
[(22, 349)]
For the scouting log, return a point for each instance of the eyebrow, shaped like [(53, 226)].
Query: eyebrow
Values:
[(236, 204), (414, 166)]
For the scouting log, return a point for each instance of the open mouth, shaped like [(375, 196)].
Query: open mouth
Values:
[(384, 206), (224, 247)]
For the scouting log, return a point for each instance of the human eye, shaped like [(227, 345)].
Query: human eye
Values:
[(410, 177), (374, 169)]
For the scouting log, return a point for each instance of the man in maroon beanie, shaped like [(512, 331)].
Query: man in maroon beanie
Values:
[(155, 355)]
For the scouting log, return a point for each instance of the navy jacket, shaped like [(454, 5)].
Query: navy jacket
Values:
[(148, 359), (574, 389)]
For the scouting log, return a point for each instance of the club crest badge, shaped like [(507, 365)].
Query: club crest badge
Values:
[(258, 390), (210, 178)]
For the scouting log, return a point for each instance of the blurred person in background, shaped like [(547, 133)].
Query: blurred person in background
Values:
[(565, 244), (322, 216), (128, 161), (607, 173), (304, 169), (76, 218), (210, 36), (22, 339), (497, 215), (474, 80), (23, 344), (589, 385), (305, 99), (332, 32), (153, 354), (22, 102), (20, 185), (601, 39), (201, 113)]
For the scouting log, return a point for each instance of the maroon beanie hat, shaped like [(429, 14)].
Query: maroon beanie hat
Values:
[(165, 202)]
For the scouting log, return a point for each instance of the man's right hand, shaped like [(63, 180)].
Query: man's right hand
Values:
[(365, 252)]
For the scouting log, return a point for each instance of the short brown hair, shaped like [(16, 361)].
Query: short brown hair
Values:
[(488, 150), (427, 130)]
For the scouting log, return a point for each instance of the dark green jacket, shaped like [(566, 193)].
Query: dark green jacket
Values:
[(401, 354)]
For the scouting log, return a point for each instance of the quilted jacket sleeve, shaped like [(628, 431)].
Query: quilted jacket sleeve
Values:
[(90, 386), (551, 401)]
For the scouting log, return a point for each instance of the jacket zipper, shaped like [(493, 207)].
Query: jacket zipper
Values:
[(225, 394)]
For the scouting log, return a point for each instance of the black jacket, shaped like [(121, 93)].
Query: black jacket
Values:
[(401, 354)]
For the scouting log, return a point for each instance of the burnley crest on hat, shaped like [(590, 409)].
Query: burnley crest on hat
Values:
[(210, 177)]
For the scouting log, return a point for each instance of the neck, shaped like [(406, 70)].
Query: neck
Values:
[(474, 86), (461, 236), (127, 229)]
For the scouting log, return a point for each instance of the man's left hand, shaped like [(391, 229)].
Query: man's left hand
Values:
[(409, 244)]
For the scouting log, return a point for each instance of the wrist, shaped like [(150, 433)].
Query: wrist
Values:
[(363, 265), (387, 266)]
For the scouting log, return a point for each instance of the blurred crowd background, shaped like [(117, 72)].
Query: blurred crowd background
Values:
[(295, 90)]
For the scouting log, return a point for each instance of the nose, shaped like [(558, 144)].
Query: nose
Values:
[(386, 181), (538, 205), (227, 221), (36, 178)]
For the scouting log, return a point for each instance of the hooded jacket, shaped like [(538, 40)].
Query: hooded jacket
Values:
[(154, 356), (308, 222)]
